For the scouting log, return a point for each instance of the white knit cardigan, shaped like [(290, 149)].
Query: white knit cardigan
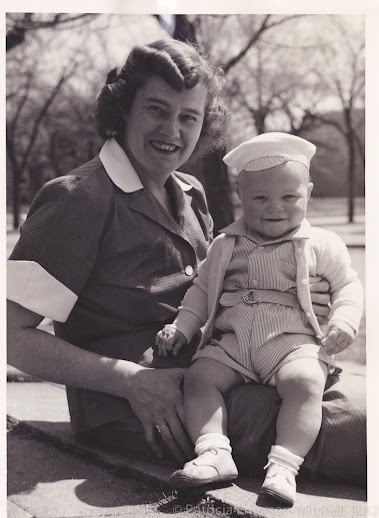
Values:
[(322, 254)]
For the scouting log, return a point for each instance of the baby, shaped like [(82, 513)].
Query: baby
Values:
[(252, 294)]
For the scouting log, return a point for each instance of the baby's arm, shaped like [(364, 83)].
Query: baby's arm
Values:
[(346, 294), (169, 339), (193, 311)]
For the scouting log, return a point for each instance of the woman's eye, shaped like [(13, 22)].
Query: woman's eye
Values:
[(259, 198), (156, 109), (289, 196)]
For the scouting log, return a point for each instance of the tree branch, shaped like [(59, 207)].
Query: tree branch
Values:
[(265, 26), (16, 35), (40, 117)]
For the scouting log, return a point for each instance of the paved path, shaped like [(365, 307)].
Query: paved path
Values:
[(52, 475)]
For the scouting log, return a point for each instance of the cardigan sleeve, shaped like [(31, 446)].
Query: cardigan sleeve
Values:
[(334, 264), (193, 311)]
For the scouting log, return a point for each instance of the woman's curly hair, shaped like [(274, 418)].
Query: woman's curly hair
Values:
[(182, 66)]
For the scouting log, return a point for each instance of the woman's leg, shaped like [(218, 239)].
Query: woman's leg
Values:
[(300, 384), (205, 382)]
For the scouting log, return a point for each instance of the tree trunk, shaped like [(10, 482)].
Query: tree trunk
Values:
[(213, 174), (16, 199), (351, 178), (351, 164)]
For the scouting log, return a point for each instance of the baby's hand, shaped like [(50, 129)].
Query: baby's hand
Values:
[(339, 336), (169, 339)]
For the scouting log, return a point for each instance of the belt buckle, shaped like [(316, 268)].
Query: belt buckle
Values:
[(246, 299)]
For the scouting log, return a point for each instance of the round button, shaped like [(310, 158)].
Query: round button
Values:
[(299, 250), (304, 281), (308, 314), (188, 270), (319, 337)]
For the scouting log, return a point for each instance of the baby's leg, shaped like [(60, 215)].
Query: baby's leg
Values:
[(205, 382), (301, 385)]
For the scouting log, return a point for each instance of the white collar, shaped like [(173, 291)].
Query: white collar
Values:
[(121, 171), (118, 167)]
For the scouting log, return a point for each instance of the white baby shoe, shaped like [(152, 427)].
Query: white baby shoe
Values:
[(213, 465), (280, 483), (282, 468)]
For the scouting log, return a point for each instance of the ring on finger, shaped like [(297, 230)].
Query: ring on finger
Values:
[(160, 428)]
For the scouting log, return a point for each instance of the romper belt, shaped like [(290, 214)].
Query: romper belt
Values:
[(254, 296)]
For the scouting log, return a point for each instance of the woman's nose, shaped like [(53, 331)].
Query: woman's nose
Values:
[(170, 128)]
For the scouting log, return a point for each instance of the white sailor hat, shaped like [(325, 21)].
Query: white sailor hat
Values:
[(269, 150)]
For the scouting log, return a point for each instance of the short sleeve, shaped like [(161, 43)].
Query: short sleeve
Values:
[(58, 246)]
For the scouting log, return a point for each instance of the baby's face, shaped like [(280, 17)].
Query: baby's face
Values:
[(274, 201)]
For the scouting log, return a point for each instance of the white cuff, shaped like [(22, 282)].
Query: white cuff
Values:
[(34, 288)]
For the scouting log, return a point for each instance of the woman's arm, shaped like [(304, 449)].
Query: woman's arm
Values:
[(154, 395)]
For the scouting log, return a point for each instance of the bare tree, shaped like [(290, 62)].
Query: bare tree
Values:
[(18, 24), (35, 81), (20, 145), (342, 74), (290, 81)]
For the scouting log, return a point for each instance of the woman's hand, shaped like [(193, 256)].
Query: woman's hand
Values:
[(154, 395), (157, 400), (320, 297)]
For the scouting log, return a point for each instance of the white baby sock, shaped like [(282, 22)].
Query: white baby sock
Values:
[(285, 458), (212, 440)]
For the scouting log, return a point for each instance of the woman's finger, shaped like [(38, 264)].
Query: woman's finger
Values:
[(154, 395), (171, 436), (151, 439), (318, 285), (321, 311), (320, 298)]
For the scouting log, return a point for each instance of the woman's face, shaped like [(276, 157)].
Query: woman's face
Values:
[(163, 126)]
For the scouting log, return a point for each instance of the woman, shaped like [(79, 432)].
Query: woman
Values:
[(108, 252)]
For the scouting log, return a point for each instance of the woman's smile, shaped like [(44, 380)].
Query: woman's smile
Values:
[(163, 147)]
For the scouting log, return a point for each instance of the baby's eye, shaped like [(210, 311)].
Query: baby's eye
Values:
[(289, 196), (259, 198)]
